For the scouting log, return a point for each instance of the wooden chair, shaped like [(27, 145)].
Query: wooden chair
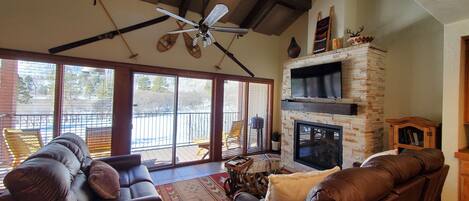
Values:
[(99, 141), (235, 133), (21, 143)]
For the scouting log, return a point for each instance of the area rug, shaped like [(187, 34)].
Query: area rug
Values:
[(199, 189)]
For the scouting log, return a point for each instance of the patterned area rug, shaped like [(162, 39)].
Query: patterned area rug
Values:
[(199, 189)]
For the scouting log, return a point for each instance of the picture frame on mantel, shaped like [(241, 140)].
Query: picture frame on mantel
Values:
[(322, 36)]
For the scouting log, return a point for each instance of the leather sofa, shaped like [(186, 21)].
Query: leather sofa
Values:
[(57, 172), (409, 176)]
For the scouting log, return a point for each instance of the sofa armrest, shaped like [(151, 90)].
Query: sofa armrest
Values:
[(147, 198), (123, 162), (242, 196), (6, 196)]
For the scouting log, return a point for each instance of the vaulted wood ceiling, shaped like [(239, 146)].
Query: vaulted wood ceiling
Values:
[(263, 16)]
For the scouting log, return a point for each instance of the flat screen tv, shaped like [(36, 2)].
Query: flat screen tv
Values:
[(319, 81)]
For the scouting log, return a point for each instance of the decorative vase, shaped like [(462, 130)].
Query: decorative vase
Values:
[(294, 49)]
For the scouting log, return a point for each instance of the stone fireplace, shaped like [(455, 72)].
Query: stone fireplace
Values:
[(360, 135)]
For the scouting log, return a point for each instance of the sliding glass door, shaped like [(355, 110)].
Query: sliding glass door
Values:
[(193, 119), (258, 111), (234, 121), (153, 118), (171, 120), (87, 102)]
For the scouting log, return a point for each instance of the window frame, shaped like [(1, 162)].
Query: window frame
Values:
[(122, 107)]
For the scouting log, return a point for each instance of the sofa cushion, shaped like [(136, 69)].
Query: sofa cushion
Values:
[(354, 184), (104, 180), (430, 159), (80, 188), (61, 154), (134, 175), (138, 190), (83, 153), (402, 168), (42, 179), (295, 187)]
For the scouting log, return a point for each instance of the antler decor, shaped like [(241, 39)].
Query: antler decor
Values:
[(356, 38), (357, 33)]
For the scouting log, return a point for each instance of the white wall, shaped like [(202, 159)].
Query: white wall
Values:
[(414, 63), (454, 136), (414, 41)]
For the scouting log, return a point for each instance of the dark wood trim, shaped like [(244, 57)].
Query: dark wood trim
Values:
[(122, 112), (175, 120), (42, 57), (217, 137), (270, 113), (59, 72), (330, 108), (465, 73), (245, 117)]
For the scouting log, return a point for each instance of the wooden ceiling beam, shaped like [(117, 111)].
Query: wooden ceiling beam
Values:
[(183, 7), (253, 13)]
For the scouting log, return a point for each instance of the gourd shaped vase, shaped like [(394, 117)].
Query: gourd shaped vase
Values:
[(294, 49)]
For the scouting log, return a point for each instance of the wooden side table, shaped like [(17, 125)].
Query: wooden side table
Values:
[(236, 171)]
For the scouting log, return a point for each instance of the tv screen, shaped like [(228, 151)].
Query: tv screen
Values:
[(320, 81)]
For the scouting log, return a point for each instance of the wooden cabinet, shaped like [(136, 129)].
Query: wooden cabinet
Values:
[(413, 133), (463, 157)]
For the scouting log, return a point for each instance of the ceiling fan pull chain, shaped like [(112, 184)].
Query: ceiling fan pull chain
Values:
[(132, 54)]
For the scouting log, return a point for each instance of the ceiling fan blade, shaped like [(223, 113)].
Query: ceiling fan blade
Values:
[(210, 37), (240, 31), (182, 31), (216, 14), (161, 10)]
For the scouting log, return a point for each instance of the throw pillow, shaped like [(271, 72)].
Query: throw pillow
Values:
[(388, 152), (295, 187), (104, 180)]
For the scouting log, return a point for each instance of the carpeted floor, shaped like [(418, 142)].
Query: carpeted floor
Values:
[(199, 189)]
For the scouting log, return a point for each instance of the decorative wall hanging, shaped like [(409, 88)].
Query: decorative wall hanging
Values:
[(167, 41), (323, 32), (294, 49), (357, 39), (194, 50)]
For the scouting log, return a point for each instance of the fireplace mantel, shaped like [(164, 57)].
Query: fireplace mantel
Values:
[(363, 86)]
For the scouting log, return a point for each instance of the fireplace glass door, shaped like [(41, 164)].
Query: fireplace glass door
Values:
[(318, 145)]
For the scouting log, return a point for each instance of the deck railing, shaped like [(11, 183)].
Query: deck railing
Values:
[(149, 130)]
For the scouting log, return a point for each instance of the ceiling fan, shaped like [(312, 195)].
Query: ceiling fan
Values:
[(205, 25)]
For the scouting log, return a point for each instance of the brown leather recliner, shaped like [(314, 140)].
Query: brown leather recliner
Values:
[(409, 176), (57, 172)]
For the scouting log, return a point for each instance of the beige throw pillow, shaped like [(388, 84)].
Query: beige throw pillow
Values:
[(295, 187), (104, 180)]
